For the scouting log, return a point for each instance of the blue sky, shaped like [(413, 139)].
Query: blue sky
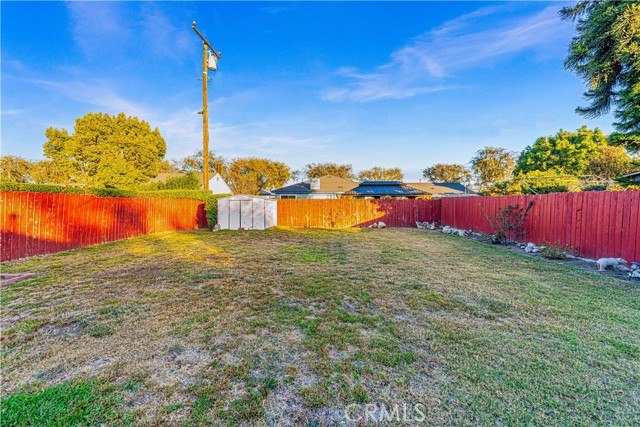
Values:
[(387, 84)]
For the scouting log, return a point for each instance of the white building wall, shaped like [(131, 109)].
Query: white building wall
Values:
[(217, 185)]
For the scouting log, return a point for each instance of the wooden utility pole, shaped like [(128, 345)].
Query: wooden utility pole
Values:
[(205, 119), (205, 104)]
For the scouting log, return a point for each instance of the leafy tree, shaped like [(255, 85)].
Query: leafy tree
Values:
[(189, 181), (492, 164), (605, 53), (47, 172), (442, 172), (534, 182), (610, 162), (381, 174), (110, 151), (630, 141), (316, 170), (16, 168), (568, 153), (195, 163), (250, 175), (167, 166), (539, 182)]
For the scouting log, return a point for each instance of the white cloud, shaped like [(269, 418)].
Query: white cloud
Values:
[(14, 112), (268, 138), (110, 28), (96, 93), (162, 36), (428, 61), (182, 128), (98, 28)]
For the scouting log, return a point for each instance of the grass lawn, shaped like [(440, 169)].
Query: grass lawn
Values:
[(293, 326)]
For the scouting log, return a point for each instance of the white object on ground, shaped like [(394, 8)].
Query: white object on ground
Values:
[(426, 225), (604, 263), (378, 224)]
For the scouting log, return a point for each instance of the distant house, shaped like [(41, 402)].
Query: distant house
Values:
[(385, 190), (443, 189), (633, 176), (325, 187), (217, 184), (266, 193)]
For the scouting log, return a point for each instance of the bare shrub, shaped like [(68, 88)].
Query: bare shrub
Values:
[(508, 224)]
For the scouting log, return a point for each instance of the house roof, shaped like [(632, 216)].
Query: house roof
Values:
[(328, 184), (441, 187), (385, 188)]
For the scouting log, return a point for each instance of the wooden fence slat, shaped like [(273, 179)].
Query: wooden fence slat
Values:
[(634, 229)]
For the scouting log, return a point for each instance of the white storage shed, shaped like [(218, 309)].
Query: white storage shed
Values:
[(247, 213)]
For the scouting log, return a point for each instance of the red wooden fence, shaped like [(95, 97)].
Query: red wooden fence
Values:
[(598, 224), (343, 213), (42, 223)]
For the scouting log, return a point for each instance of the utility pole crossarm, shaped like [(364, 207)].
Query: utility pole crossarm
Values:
[(215, 52)]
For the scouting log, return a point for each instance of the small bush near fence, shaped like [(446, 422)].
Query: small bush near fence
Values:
[(509, 223), (557, 250)]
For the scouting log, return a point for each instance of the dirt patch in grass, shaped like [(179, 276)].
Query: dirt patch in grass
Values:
[(293, 326)]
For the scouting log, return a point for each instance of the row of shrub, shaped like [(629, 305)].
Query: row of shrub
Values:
[(211, 204)]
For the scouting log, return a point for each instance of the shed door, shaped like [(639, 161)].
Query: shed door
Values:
[(246, 214), (223, 214), (234, 214), (258, 214)]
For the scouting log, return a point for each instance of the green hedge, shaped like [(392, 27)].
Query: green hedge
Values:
[(211, 207), (105, 192), (211, 200)]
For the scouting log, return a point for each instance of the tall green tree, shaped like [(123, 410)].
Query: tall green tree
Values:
[(104, 150), (250, 175), (492, 164), (168, 166), (610, 162), (568, 153), (316, 170), (442, 172), (605, 53), (47, 172), (16, 168), (381, 174), (195, 163)]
